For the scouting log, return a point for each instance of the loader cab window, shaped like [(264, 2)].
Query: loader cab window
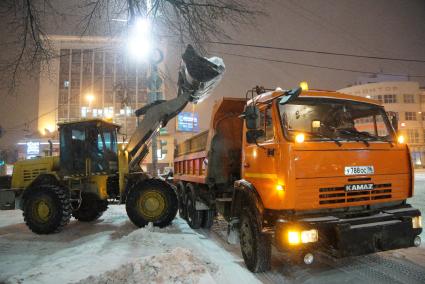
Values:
[(109, 137), (88, 146)]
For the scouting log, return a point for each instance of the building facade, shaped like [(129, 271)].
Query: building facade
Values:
[(93, 77), (407, 100)]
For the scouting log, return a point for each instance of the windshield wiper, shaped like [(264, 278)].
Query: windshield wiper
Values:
[(376, 138), (326, 136), (356, 135), (321, 135)]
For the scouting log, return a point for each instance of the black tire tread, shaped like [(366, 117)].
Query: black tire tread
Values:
[(94, 210), (261, 260), (62, 196), (208, 218), (165, 188), (194, 217)]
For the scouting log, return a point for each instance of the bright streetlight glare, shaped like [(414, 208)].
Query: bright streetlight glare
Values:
[(89, 98), (139, 39)]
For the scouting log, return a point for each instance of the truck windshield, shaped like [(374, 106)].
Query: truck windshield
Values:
[(337, 120)]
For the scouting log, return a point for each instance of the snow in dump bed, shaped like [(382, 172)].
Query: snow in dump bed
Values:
[(177, 266)]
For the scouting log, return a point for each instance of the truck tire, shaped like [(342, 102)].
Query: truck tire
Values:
[(91, 208), (47, 209), (194, 217), (208, 218), (255, 246), (181, 197), (152, 201)]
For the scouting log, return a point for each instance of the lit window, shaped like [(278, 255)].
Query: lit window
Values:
[(390, 99), (412, 136), (84, 112), (409, 115)]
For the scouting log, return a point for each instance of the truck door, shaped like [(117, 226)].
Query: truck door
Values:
[(259, 159)]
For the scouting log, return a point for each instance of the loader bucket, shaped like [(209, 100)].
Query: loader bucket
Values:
[(199, 75)]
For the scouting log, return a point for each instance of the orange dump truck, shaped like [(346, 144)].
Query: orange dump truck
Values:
[(306, 171)]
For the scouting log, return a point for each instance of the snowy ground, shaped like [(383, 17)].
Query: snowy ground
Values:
[(114, 251)]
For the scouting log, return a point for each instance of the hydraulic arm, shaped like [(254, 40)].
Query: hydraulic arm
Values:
[(198, 76)]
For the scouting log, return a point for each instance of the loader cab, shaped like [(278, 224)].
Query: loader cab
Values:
[(88, 147)]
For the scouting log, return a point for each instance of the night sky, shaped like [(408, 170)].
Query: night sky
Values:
[(385, 28)]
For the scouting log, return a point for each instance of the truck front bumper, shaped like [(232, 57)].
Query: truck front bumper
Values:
[(388, 230)]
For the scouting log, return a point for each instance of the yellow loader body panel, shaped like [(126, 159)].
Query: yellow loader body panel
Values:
[(26, 171)]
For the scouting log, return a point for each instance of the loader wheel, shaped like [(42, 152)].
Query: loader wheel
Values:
[(208, 218), (91, 208), (255, 246), (152, 201), (47, 209), (194, 217)]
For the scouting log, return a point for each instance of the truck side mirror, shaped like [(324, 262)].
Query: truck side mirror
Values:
[(253, 134), (252, 117), (290, 95)]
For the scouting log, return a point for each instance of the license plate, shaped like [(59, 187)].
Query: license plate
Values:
[(359, 187), (359, 170)]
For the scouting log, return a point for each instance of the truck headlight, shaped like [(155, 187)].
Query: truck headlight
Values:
[(417, 222), (297, 237), (310, 236)]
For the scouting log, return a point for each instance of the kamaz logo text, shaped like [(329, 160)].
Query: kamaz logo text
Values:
[(358, 187)]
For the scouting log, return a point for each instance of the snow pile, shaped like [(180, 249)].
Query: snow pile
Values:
[(177, 266)]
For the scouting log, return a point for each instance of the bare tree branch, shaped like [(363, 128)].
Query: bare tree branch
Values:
[(190, 21)]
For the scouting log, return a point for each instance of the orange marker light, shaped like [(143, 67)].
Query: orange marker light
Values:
[(299, 138)]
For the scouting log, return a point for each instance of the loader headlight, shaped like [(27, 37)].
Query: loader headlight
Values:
[(417, 222), (297, 237)]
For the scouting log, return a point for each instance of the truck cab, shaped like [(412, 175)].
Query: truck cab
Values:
[(329, 172)]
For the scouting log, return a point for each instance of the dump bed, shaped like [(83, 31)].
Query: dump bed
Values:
[(213, 156)]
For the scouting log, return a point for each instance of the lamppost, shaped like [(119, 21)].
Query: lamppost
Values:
[(141, 47)]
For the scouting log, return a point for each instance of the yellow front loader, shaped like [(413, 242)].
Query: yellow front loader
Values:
[(92, 168)]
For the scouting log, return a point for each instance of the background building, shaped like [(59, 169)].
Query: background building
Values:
[(407, 100), (93, 77)]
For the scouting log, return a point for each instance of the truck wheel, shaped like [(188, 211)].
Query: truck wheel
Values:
[(181, 197), (208, 218), (47, 209), (91, 208), (255, 246), (194, 217), (152, 201)]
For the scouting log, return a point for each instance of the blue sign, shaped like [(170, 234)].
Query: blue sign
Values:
[(188, 122)]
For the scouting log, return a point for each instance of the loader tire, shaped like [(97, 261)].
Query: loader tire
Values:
[(91, 208), (47, 209), (255, 246), (194, 217), (152, 201)]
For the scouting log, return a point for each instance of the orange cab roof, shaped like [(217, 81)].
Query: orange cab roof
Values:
[(314, 93)]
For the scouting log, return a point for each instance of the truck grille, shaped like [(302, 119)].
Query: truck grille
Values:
[(332, 195)]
